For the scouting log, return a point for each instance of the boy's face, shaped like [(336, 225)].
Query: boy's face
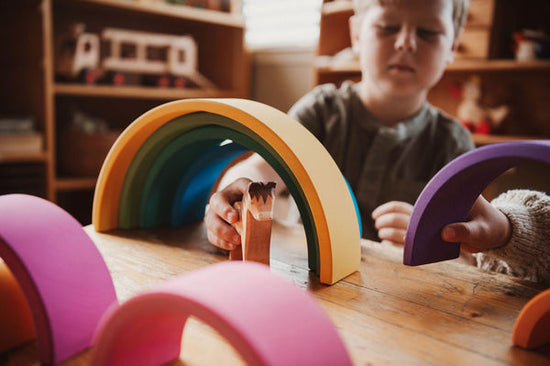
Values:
[(404, 45)]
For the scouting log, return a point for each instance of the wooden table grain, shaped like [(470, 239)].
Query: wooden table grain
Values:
[(444, 313)]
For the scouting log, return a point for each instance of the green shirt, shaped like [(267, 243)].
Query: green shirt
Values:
[(380, 163)]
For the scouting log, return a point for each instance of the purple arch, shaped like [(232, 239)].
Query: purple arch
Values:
[(60, 271), (269, 321), (451, 193)]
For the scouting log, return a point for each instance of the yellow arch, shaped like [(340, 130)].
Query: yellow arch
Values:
[(325, 189)]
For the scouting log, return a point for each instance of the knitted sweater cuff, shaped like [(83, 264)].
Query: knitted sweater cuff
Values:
[(527, 254)]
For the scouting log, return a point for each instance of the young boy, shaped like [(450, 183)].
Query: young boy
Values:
[(509, 235), (384, 136)]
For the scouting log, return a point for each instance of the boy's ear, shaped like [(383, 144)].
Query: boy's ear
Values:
[(454, 48), (354, 33)]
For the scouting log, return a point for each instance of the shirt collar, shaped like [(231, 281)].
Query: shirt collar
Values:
[(402, 130)]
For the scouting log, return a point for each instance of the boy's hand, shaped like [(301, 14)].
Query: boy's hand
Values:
[(391, 220), (486, 228), (221, 214)]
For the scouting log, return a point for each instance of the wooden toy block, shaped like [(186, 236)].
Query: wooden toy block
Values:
[(256, 211)]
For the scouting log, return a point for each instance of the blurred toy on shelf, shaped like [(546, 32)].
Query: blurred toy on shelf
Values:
[(342, 59), (218, 5), (122, 57), (88, 124), (85, 144), (18, 135), (470, 111), (17, 124), (530, 45), (149, 1)]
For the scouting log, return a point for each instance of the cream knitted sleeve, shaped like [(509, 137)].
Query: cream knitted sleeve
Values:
[(527, 254)]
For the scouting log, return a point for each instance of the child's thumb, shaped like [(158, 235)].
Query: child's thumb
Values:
[(470, 235), (457, 233)]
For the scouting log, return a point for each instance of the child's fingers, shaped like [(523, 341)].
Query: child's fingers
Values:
[(222, 207), (393, 235), (395, 220), (469, 234), (392, 206), (220, 233), (220, 243), (457, 232), (234, 191), (221, 213), (391, 220), (222, 202)]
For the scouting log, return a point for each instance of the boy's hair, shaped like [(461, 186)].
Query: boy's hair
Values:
[(460, 11)]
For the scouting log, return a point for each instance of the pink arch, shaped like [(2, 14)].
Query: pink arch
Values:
[(269, 321), (60, 271)]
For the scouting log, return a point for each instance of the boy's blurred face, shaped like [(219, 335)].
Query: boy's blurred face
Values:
[(404, 45)]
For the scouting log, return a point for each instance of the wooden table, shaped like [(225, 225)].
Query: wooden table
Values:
[(443, 314)]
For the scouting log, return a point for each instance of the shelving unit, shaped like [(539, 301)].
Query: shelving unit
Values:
[(24, 158), (325, 66), (139, 92), (30, 87), (168, 11), (484, 50)]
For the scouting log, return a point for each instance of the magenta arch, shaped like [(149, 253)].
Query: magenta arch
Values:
[(60, 271)]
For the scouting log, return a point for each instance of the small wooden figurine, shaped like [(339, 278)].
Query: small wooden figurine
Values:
[(473, 115), (256, 210)]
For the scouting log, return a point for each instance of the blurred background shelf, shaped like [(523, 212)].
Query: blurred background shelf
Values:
[(485, 52), (326, 65), (227, 18), (142, 92), (482, 139), (30, 85), (40, 157), (498, 65), (75, 184), (337, 7)]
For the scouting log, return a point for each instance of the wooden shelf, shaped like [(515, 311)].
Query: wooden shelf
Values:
[(484, 51), (168, 10), (324, 65), (141, 92), (335, 7), (482, 139), (497, 65), (75, 184), (24, 158), (29, 73)]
